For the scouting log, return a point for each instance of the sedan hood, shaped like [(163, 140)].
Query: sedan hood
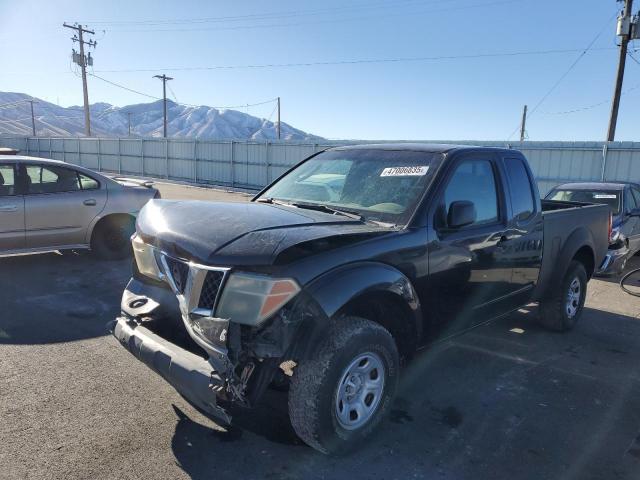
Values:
[(216, 233)]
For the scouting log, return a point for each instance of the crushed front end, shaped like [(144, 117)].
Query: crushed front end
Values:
[(218, 336)]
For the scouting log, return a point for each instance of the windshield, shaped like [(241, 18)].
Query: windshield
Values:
[(380, 185), (608, 197)]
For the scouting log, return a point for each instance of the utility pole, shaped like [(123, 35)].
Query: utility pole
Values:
[(624, 32), (164, 79), (129, 118), (33, 119), (279, 130), (82, 61), (523, 126)]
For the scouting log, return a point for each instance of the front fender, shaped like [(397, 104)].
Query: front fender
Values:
[(336, 288)]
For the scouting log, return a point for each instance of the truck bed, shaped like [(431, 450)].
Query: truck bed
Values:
[(567, 224)]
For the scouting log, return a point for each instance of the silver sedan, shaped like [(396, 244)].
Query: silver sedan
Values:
[(50, 205)]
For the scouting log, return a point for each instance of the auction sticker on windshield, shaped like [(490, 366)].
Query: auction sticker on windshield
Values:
[(415, 171)]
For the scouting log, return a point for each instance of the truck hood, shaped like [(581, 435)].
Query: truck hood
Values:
[(228, 234)]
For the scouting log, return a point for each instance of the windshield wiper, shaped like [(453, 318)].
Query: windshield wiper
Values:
[(274, 201), (325, 208)]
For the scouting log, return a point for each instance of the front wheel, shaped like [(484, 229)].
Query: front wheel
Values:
[(338, 398), (562, 310)]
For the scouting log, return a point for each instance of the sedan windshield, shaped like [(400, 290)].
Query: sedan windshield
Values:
[(608, 197), (379, 185)]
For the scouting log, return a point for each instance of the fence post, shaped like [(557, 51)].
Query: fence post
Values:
[(99, 155), (119, 156), (64, 151), (233, 173), (605, 150), (51, 148), (142, 154), (27, 142), (38, 143), (166, 157), (79, 155), (195, 160), (267, 153)]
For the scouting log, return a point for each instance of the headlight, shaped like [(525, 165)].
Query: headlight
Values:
[(145, 259), (250, 299)]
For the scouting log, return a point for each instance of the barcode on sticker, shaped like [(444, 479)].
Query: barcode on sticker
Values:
[(605, 195), (417, 171)]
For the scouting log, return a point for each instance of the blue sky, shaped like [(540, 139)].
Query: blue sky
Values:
[(461, 98)]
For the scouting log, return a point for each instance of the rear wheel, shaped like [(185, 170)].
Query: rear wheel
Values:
[(111, 239), (338, 398), (562, 310)]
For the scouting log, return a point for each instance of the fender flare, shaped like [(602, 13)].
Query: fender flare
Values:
[(332, 291), (579, 238)]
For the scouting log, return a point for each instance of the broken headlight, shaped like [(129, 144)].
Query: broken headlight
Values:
[(250, 299), (145, 256)]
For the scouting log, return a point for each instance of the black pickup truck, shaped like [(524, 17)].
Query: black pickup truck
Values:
[(331, 278)]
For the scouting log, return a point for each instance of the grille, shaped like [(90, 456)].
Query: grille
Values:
[(210, 289), (179, 272)]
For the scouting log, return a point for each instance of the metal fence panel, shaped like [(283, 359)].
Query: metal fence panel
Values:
[(252, 164)]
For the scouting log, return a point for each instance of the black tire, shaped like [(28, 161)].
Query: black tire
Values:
[(111, 239), (314, 387), (554, 311)]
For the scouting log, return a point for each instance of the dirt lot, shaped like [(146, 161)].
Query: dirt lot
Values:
[(490, 404)]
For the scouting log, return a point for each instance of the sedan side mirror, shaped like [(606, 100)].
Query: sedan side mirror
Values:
[(461, 214)]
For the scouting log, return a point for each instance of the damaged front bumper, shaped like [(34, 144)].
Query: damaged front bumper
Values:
[(192, 376)]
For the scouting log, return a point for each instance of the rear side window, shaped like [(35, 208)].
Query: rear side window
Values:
[(629, 200), (522, 196), (474, 181), (88, 183), (51, 179), (7, 181), (636, 195)]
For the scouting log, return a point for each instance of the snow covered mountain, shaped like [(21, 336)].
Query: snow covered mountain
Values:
[(146, 120)]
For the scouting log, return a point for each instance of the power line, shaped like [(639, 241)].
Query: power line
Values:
[(359, 61), (260, 16), (315, 22), (565, 74), (290, 15), (119, 85), (123, 87)]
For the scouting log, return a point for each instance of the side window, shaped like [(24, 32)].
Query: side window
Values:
[(636, 195), (88, 183), (474, 181), (522, 196), (51, 179), (629, 200), (7, 181)]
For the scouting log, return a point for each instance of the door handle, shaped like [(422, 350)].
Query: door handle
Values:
[(91, 202), (9, 208)]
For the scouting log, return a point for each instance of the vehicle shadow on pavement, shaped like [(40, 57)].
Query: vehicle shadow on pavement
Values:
[(507, 400), (51, 298)]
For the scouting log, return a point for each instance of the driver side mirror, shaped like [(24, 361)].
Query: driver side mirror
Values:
[(461, 214)]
